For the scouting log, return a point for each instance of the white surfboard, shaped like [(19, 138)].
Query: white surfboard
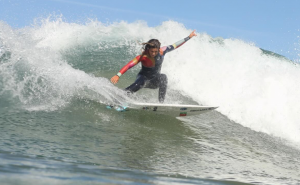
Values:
[(175, 110)]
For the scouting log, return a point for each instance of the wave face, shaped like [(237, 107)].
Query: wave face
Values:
[(45, 66)]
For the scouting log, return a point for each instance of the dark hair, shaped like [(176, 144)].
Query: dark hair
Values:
[(153, 43)]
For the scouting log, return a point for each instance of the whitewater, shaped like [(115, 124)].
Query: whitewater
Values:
[(54, 84)]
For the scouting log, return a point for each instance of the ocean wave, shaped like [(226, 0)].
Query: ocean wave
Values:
[(54, 61)]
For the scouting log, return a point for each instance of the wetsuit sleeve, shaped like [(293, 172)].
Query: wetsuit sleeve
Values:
[(176, 45), (130, 64)]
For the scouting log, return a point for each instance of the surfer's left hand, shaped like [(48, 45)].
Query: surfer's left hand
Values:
[(193, 34)]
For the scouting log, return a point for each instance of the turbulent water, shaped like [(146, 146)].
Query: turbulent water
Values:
[(55, 129)]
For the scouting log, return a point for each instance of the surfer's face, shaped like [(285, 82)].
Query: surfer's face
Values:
[(153, 52)]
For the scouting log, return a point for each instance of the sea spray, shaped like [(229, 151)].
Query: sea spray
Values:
[(39, 77), (252, 88)]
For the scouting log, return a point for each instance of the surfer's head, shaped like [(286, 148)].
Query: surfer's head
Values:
[(152, 47)]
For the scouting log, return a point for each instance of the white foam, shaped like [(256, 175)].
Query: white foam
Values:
[(251, 88), (40, 78)]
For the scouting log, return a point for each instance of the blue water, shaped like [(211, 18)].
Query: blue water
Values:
[(56, 129)]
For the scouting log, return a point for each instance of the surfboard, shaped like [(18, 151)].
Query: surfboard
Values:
[(175, 110)]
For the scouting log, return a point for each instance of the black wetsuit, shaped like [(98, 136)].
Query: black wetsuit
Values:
[(150, 76)]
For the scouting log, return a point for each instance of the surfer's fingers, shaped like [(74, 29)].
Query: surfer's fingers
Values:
[(193, 34), (114, 79)]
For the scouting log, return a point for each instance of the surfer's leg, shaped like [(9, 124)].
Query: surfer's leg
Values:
[(163, 83), (137, 85)]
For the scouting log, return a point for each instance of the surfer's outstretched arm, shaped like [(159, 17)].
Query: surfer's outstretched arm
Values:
[(166, 49), (130, 64)]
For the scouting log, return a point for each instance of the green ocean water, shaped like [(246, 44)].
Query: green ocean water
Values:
[(55, 128)]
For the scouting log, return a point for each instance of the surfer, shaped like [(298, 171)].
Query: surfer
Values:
[(151, 58)]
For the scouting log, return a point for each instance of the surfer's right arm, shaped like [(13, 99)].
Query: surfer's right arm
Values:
[(130, 64)]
